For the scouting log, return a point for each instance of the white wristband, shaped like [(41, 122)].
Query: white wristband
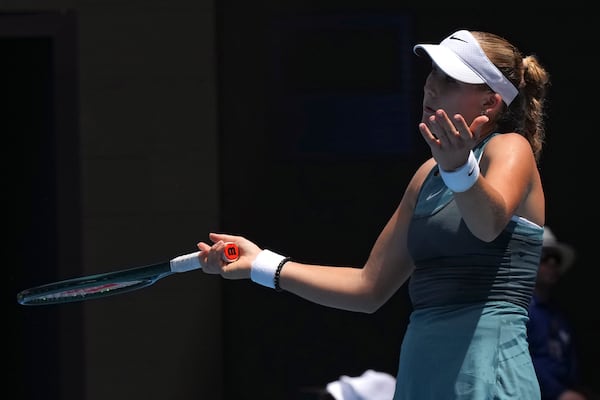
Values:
[(461, 179), (264, 267)]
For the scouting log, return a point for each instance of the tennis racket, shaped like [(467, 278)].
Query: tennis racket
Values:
[(116, 282)]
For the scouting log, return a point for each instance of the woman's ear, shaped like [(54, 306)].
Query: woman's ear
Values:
[(492, 104)]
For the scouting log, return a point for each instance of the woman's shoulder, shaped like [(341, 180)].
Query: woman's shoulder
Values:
[(414, 186), (507, 139), (508, 144), (423, 171)]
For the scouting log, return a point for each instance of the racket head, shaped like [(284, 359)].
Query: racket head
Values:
[(94, 286)]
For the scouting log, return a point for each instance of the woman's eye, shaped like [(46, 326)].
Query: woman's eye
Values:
[(449, 79), (441, 75)]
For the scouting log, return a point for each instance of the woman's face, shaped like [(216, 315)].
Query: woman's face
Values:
[(549, 269), (443, 92)]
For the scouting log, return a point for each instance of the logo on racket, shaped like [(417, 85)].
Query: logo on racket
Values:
[(231, 252)]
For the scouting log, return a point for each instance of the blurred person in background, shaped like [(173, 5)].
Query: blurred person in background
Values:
[(551, 336)]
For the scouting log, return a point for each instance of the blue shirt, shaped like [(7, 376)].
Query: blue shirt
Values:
[(551, 347)]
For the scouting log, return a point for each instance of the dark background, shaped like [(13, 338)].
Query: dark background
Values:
[(318, 106)]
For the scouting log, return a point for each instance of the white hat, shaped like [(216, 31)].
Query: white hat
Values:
[(565, 251), (461, 57), (371, 385)]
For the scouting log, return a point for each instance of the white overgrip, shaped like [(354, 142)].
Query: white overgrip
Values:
[(186, 262)]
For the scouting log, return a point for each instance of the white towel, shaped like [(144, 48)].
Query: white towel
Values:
[(371, 385)]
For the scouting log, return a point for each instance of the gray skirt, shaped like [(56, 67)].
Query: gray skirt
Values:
[(467, 352)]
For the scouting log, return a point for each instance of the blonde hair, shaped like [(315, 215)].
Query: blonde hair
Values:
[(526, 114)]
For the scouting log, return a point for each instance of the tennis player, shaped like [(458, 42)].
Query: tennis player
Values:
[(466, 236)]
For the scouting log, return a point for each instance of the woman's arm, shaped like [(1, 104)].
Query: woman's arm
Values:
[(349, 288), (508, 173), (504, 183)]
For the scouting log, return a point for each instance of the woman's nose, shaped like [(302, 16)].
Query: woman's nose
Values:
[(429, 90)]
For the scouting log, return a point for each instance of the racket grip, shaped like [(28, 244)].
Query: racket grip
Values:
[(189, 262), (186, 262)]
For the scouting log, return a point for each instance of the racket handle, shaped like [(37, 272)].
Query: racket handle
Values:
[(188, 262)]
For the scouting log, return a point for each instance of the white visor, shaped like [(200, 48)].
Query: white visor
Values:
[(461, 57)]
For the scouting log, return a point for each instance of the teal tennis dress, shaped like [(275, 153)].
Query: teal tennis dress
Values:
[(466, 338)]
